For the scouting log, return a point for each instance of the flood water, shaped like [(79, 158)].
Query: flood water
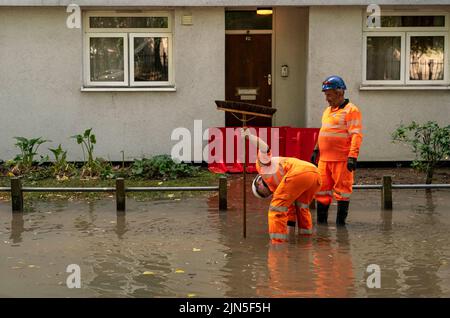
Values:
[(187, 248)]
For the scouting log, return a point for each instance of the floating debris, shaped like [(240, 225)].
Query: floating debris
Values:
[(196, 250), (148, 273)]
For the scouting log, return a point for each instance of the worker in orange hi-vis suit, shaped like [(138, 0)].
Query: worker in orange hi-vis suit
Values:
[(339, 141), (292, 182)]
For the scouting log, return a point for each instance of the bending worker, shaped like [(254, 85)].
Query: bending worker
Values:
[(339, 141), (292, 182)]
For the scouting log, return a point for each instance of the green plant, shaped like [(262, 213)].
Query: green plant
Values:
[(23, 162), (429, 142), (61, 169), (161, 167), (105, 169), (87, 141)]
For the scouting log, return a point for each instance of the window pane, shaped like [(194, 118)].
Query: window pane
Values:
[(151, 57), (426, 58), (412, 21), (247, 20), (129, 22), (383, 58), (107, 60)]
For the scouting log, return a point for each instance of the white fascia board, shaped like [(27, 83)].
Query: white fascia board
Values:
[(219, 3)]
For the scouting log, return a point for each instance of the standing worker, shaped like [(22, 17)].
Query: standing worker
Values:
[(339, 141), (292, 182)]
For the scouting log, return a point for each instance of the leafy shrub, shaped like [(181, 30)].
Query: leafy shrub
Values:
[(162, 167), (61, 169), (24, 161), (429, 142), (87, 140)]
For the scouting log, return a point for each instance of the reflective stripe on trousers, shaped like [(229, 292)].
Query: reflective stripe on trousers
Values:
[(301, 205), (278, 208), (278, 236)]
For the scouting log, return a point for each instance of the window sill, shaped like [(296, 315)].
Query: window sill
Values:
[(129, 89), (403, 88)]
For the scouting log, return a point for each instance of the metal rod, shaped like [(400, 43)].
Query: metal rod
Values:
[(107, 189), (111, 189), (244, 214), (367, 186), (214, 188), (144, 189), (421, 186)]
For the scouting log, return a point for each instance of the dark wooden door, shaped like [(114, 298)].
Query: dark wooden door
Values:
[(248, 65)]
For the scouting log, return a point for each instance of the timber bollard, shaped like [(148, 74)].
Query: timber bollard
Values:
[(386, 193), (120, 194), (223, 193), (16, 195)]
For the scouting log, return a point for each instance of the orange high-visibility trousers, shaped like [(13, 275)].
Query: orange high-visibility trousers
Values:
[(295, 187), (336, 179)]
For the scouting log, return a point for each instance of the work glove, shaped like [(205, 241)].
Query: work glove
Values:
[(314, 156), (351, 164)]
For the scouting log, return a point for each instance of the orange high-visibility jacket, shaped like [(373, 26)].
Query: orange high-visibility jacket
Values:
[(279, 167), (340, 136)]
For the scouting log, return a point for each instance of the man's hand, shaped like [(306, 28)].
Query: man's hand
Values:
[(245, 132), (314, 156), (351, 164)]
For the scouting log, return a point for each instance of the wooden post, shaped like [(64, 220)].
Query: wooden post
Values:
[(16, 195), (120, 194), (223, 193), (386, 193)]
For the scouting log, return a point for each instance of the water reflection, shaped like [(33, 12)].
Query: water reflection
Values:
[(121, 225), (17, 227), (137, 254)]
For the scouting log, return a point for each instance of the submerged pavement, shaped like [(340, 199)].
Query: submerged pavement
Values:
[(187, 248)]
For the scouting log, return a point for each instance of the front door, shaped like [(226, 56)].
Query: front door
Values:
[(248, 78)]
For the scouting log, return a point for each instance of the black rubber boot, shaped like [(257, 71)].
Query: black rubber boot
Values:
[(342, 212), (322, 213)]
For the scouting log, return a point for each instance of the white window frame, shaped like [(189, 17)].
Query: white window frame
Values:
[(128, 34), (402, 58), (87, 59), (406, 33), (90, 14), (131, 60), (408, 52)]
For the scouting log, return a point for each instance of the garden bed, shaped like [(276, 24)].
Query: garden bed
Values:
[(203, 178), (399, 175)]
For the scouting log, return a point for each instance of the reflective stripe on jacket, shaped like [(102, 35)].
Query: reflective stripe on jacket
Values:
[(280, 167), (340, 136)]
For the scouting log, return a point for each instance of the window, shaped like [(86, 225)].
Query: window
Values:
[(247, 20), (406, 50), (128, 50)]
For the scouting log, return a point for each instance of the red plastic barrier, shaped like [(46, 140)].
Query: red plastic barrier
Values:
[(300, 142), (292, 142)]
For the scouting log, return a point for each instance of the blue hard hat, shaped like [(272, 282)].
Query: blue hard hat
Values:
[(333, 82)]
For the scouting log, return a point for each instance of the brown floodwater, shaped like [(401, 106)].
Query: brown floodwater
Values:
[(187, 248)]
